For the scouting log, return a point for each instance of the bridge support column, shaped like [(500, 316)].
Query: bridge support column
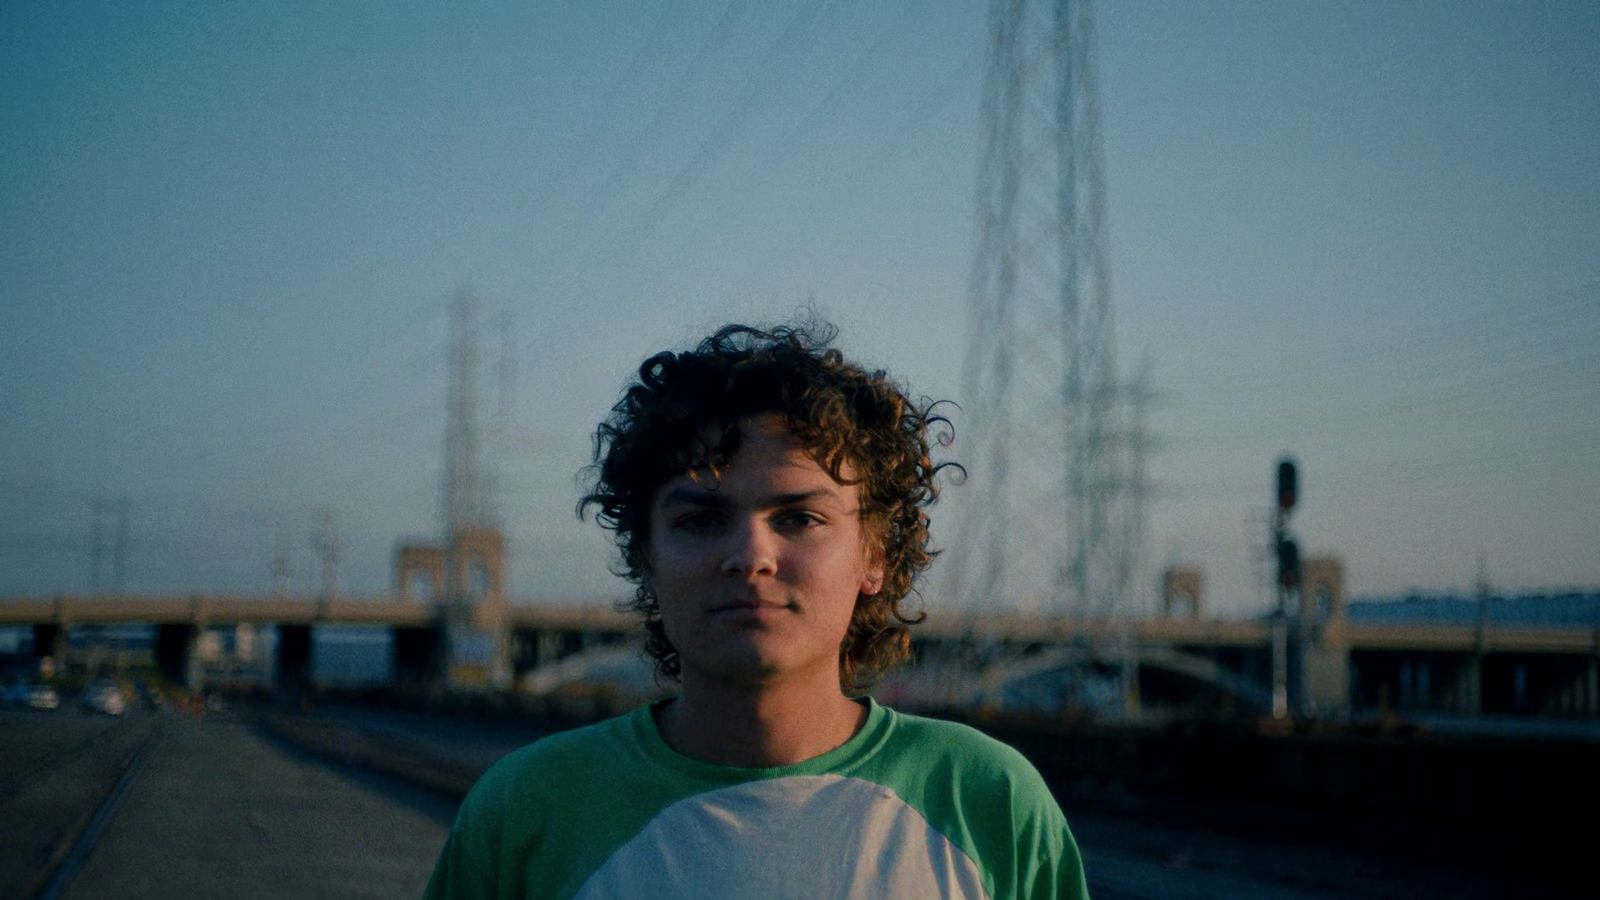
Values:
[(418, 657), (49, 642), (1469, 691), (292, 672), (524, 652), (1576, 695), (1129, 676), (1323, 667), (1327, 677), (177, 656), (547, 648), (1572, 697), (1591, 682)]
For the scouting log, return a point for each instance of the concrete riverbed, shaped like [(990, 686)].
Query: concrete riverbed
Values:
[(356, 802)]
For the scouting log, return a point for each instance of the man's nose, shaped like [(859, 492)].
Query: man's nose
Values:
[(751, 550)]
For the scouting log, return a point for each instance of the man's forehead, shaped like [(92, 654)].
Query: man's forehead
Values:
[(769, 425), (767, 456), (763, 436), (793, 473), (713, 496)]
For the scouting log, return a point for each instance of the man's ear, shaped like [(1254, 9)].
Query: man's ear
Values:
[(872, 579)]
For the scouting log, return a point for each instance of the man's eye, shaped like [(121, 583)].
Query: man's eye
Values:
[(801, 519), (696, 522)]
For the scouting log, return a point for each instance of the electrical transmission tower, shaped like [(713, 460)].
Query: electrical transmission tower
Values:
[(474, 602), (325, 541), (1055, 490), (110, 520), (473, 468), (280, 556), (505, 377), (463, 483)]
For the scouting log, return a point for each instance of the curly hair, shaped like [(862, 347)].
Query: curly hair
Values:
[(839, 412)]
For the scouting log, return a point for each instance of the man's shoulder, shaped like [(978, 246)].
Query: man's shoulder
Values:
[(547, 813), (952, 770), (551, 762), (988, 799), (947, 743)]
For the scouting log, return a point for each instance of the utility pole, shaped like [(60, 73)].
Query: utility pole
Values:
[(119, 556), (280, 557), (325, 541), (97, 545), (1286, 654), (1480, 637)]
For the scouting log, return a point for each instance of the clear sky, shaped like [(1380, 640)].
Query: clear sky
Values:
[(1367, 233)]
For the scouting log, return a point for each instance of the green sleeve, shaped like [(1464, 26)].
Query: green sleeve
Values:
[(1058, 872), (546, 816), (1049, 866), (468, 864), (990, 801)]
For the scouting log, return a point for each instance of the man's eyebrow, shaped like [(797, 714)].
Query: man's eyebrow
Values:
[(714, 500), (799, 497), (693, 497)]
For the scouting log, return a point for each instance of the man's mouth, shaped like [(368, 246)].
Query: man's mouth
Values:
[(749, 606)]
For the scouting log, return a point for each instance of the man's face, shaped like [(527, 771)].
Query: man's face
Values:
[(758, 571)]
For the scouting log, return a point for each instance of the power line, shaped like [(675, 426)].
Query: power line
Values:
[(1556, 316), (583, 151), (893, 30), (778, 57), (809, 125), (633, 150)]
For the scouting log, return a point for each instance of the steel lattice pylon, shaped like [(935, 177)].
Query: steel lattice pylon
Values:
[(462, 497), (1053, 508)]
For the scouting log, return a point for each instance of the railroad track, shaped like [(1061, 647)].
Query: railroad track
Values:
[(83, 847), (33, 769), (53, 796)]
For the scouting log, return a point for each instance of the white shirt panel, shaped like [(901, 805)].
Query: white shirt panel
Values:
[(802, 836)]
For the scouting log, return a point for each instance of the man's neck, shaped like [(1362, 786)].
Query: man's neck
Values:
[(775, 725)]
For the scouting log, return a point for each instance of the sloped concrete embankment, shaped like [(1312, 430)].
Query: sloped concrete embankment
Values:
[(387, 755)]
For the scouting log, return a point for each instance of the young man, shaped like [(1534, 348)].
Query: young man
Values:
[(768, 500)]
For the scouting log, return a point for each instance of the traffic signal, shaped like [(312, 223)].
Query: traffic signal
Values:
[(1288, 484), (1288, 563)]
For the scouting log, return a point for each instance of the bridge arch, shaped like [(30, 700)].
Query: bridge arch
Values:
[(618, 664), (1007, 676)]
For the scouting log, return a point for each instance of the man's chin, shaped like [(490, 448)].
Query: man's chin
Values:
[(753, 665)]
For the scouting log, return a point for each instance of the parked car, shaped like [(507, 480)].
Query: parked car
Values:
[(43, 696), (104, 697), (14, 694), (30, 694)]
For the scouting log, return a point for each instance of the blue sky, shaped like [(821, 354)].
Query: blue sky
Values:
[(1362, 232)]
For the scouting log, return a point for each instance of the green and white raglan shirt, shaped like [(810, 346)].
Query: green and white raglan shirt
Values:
[(909, 807)]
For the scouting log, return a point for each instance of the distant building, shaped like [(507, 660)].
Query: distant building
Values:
[(1577, 609)]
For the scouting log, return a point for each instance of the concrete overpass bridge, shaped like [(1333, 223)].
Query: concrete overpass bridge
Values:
[(1175, 661), (539, 632)]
